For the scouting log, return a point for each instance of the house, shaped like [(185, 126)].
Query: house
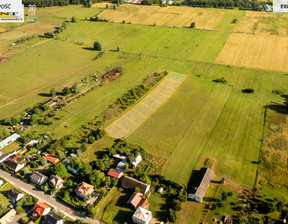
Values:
[(10, 139), (15, 195), (83, 190), (115, 173), (138, 159), (38, 178), (74, 170), (14, 157), (14, 165), (53, 219), (50, 158), (142, 216), (135, 199), (131, 183), (267, 7), (8, 217), (6, 156), (1, 182), (201, 185), (65, 161), (56, 182), (51, 103), (119, 157), (31, 143), (41, 209)]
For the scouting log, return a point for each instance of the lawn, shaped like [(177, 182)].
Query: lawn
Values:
[(4, 189)]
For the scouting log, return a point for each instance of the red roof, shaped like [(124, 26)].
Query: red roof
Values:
[(113, 173), (135, 199), (52, 159), (13, 158), (39, 208)]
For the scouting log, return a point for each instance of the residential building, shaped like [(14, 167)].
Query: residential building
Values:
[(41, 209), (50, 158), (84, 190), (15, 195), (142, 216), (31, 143), (10, 139), (14, 165), (115, 173), (138, 159), (4, 157), (74, 170), (200, 187), (56, 182), (136, 200), (8, 217), (131, 183), (38, 178), (53, 219)]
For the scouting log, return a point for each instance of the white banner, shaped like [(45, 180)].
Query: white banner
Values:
[(11, 11), (280, 5)]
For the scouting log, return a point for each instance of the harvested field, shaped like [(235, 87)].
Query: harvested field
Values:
[(2, 30), (38, 28), (166, 16), (255, 51), (130, 121)]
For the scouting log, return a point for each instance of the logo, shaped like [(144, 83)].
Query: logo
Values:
[(11, 11), (280, 5)]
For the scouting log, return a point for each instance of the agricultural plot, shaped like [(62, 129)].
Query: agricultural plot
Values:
[(130, 121), (255, 51), (168, 16)]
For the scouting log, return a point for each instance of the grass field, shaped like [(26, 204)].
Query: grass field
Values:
[(131, 120), (171, 16), (4, 189)]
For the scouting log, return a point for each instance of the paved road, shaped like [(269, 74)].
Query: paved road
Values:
[(48, 199)]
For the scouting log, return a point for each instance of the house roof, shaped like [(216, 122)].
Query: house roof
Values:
[(11, 138), (55, 180), (131, 183), (52, 159), (37, 177), (7, 216), (143, 202), (52, 219), (202, 184), (138, 159), (40, 207), (135, 199), (11, 164), (115, 173), (13, 194), (142, 214), (84, 189)]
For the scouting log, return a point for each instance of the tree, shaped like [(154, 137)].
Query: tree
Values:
[(91, 211), (4, 132), (43, 161), (73, 19), (79, 152), (172, 215), (52, 92), (66, 91), (137, 189), (37, 111), (83, 147), (34, 119), (118, 48), (60, 170), (192, 25), (183, 196), (16, 120), (114, 6), (107, 6), (177, 205), (96, 178), (46, 108), (89, 4), (97, 46)]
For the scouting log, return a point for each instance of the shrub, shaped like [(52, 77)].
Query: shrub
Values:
[(192, 25), (97, 46), (249, 90)]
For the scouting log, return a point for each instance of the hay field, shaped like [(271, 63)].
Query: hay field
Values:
[(167, 16), (134, 118), (255, 51), (263, 23)]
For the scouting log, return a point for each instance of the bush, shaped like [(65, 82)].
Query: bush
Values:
[(192, 25), (248, 90), (97, 46)]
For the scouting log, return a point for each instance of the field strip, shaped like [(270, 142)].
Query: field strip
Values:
[(131, 120)]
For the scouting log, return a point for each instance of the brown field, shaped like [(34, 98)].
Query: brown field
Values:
[(130, 121), (255, 51), (2, 30), (164, 16), (37, 28)]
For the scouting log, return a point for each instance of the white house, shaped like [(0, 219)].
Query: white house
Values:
[(10, 139), (5, 156), (138, 159), (38, 178), (15, 195), (8, 217), (142, 216)]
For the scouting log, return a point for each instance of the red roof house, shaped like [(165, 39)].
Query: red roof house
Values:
[(115, 173), (41, 209)]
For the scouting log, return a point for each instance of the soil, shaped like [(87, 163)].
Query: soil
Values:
[(3, 59), (112, 75)]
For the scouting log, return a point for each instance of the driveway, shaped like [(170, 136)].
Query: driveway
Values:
[(48, 199)]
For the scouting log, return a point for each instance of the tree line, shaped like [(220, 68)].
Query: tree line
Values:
[(49, 3)]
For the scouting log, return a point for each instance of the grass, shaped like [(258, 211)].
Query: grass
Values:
[(14, 146), (4, 189), (157, 206), (227, 208)]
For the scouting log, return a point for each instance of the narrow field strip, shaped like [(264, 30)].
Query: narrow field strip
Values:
[(135, 117)]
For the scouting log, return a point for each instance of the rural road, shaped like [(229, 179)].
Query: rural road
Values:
[(50, 200)]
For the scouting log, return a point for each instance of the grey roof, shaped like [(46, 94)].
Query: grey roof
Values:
[(52, 219), (11, 164), (13, 194), (201, 187), (37, 177)]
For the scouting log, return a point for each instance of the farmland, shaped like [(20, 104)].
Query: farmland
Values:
[(178, 122)]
